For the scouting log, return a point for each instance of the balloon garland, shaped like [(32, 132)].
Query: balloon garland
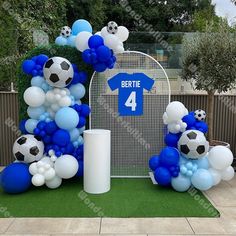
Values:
[(187, 160), (51, 146)]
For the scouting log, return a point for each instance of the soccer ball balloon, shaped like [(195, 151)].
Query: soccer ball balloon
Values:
[(200, 115), (193, 144), (28, 148), (58, 72), (112, 27), (66, 31)]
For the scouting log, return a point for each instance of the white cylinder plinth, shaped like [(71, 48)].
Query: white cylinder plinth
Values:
[(97, 161)]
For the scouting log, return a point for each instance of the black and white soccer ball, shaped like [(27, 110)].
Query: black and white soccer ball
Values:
[(193, 144), (66, 31), (58, 72), (28, 148), (200, 115), (112, 27)]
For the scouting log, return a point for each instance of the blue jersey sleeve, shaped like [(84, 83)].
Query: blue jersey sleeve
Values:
[(114, 82), (147, 82)]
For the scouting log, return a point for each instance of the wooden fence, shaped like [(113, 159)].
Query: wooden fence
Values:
[(224, 120)]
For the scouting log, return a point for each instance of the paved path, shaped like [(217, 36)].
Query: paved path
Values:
[(223, 197)]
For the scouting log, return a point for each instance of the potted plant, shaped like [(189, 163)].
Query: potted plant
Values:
[(209, 60)]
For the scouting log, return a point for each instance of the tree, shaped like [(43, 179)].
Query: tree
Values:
[(209, 59)]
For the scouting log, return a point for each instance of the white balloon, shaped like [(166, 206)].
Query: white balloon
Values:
[(104, 32), (122, 33), (228, 173), (65, 101), (34, 96), (38, 180), (119, 49), (47, 160), (81, 41), (66, 166), (111, 41), (33, 169), (176, 111), (216, 176), (49, 174), (54, 183), (220, 157)]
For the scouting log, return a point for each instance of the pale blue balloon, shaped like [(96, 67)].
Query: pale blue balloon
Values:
[(67, 118), (71, 41), (61, 41), (74, 135), (181, 183), (30, 125), (203, 163), (35, 112), (80, 26), (77, 91), (82, 129), (80, 140), (37, 81), (202, 179)]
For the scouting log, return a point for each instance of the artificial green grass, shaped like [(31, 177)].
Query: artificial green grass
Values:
[(127, 198)]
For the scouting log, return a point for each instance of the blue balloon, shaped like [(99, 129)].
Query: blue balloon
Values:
[(169, 156), (82, 122), (171, 140), (181, 183), (22, 126), (201, 126), (30, 125), (67, 118), (61, 138), (100, 67), (37, 81), (35, 112), (61, 41), (202, 179), (162, 176), (202, 163), (95, 41), (154, 162), (80, 26), (81, 77), (71, 41), (77, 91), (41, 59), (87, 57), (103, 53), (28, 66), (189, 120), (74, 134), (51, 127), (80, 172), (84, 110), (16, 178)]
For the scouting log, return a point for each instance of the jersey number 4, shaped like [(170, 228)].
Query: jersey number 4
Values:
[(131, 101)]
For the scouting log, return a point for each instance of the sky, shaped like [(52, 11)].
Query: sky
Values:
[(226, 9)]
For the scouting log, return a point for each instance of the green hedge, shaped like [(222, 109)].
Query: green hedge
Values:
[(72, 54)]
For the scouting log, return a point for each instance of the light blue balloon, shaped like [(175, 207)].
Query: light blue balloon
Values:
[(81, 130), (203, 163), (202, 179), (35, 112), (80, 26), (74, 135), (182, 160), (30, 125), (67, 118), (71, 41), (80, 140), (181, 183), (37, 81), (77, 91), (61, 41)]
